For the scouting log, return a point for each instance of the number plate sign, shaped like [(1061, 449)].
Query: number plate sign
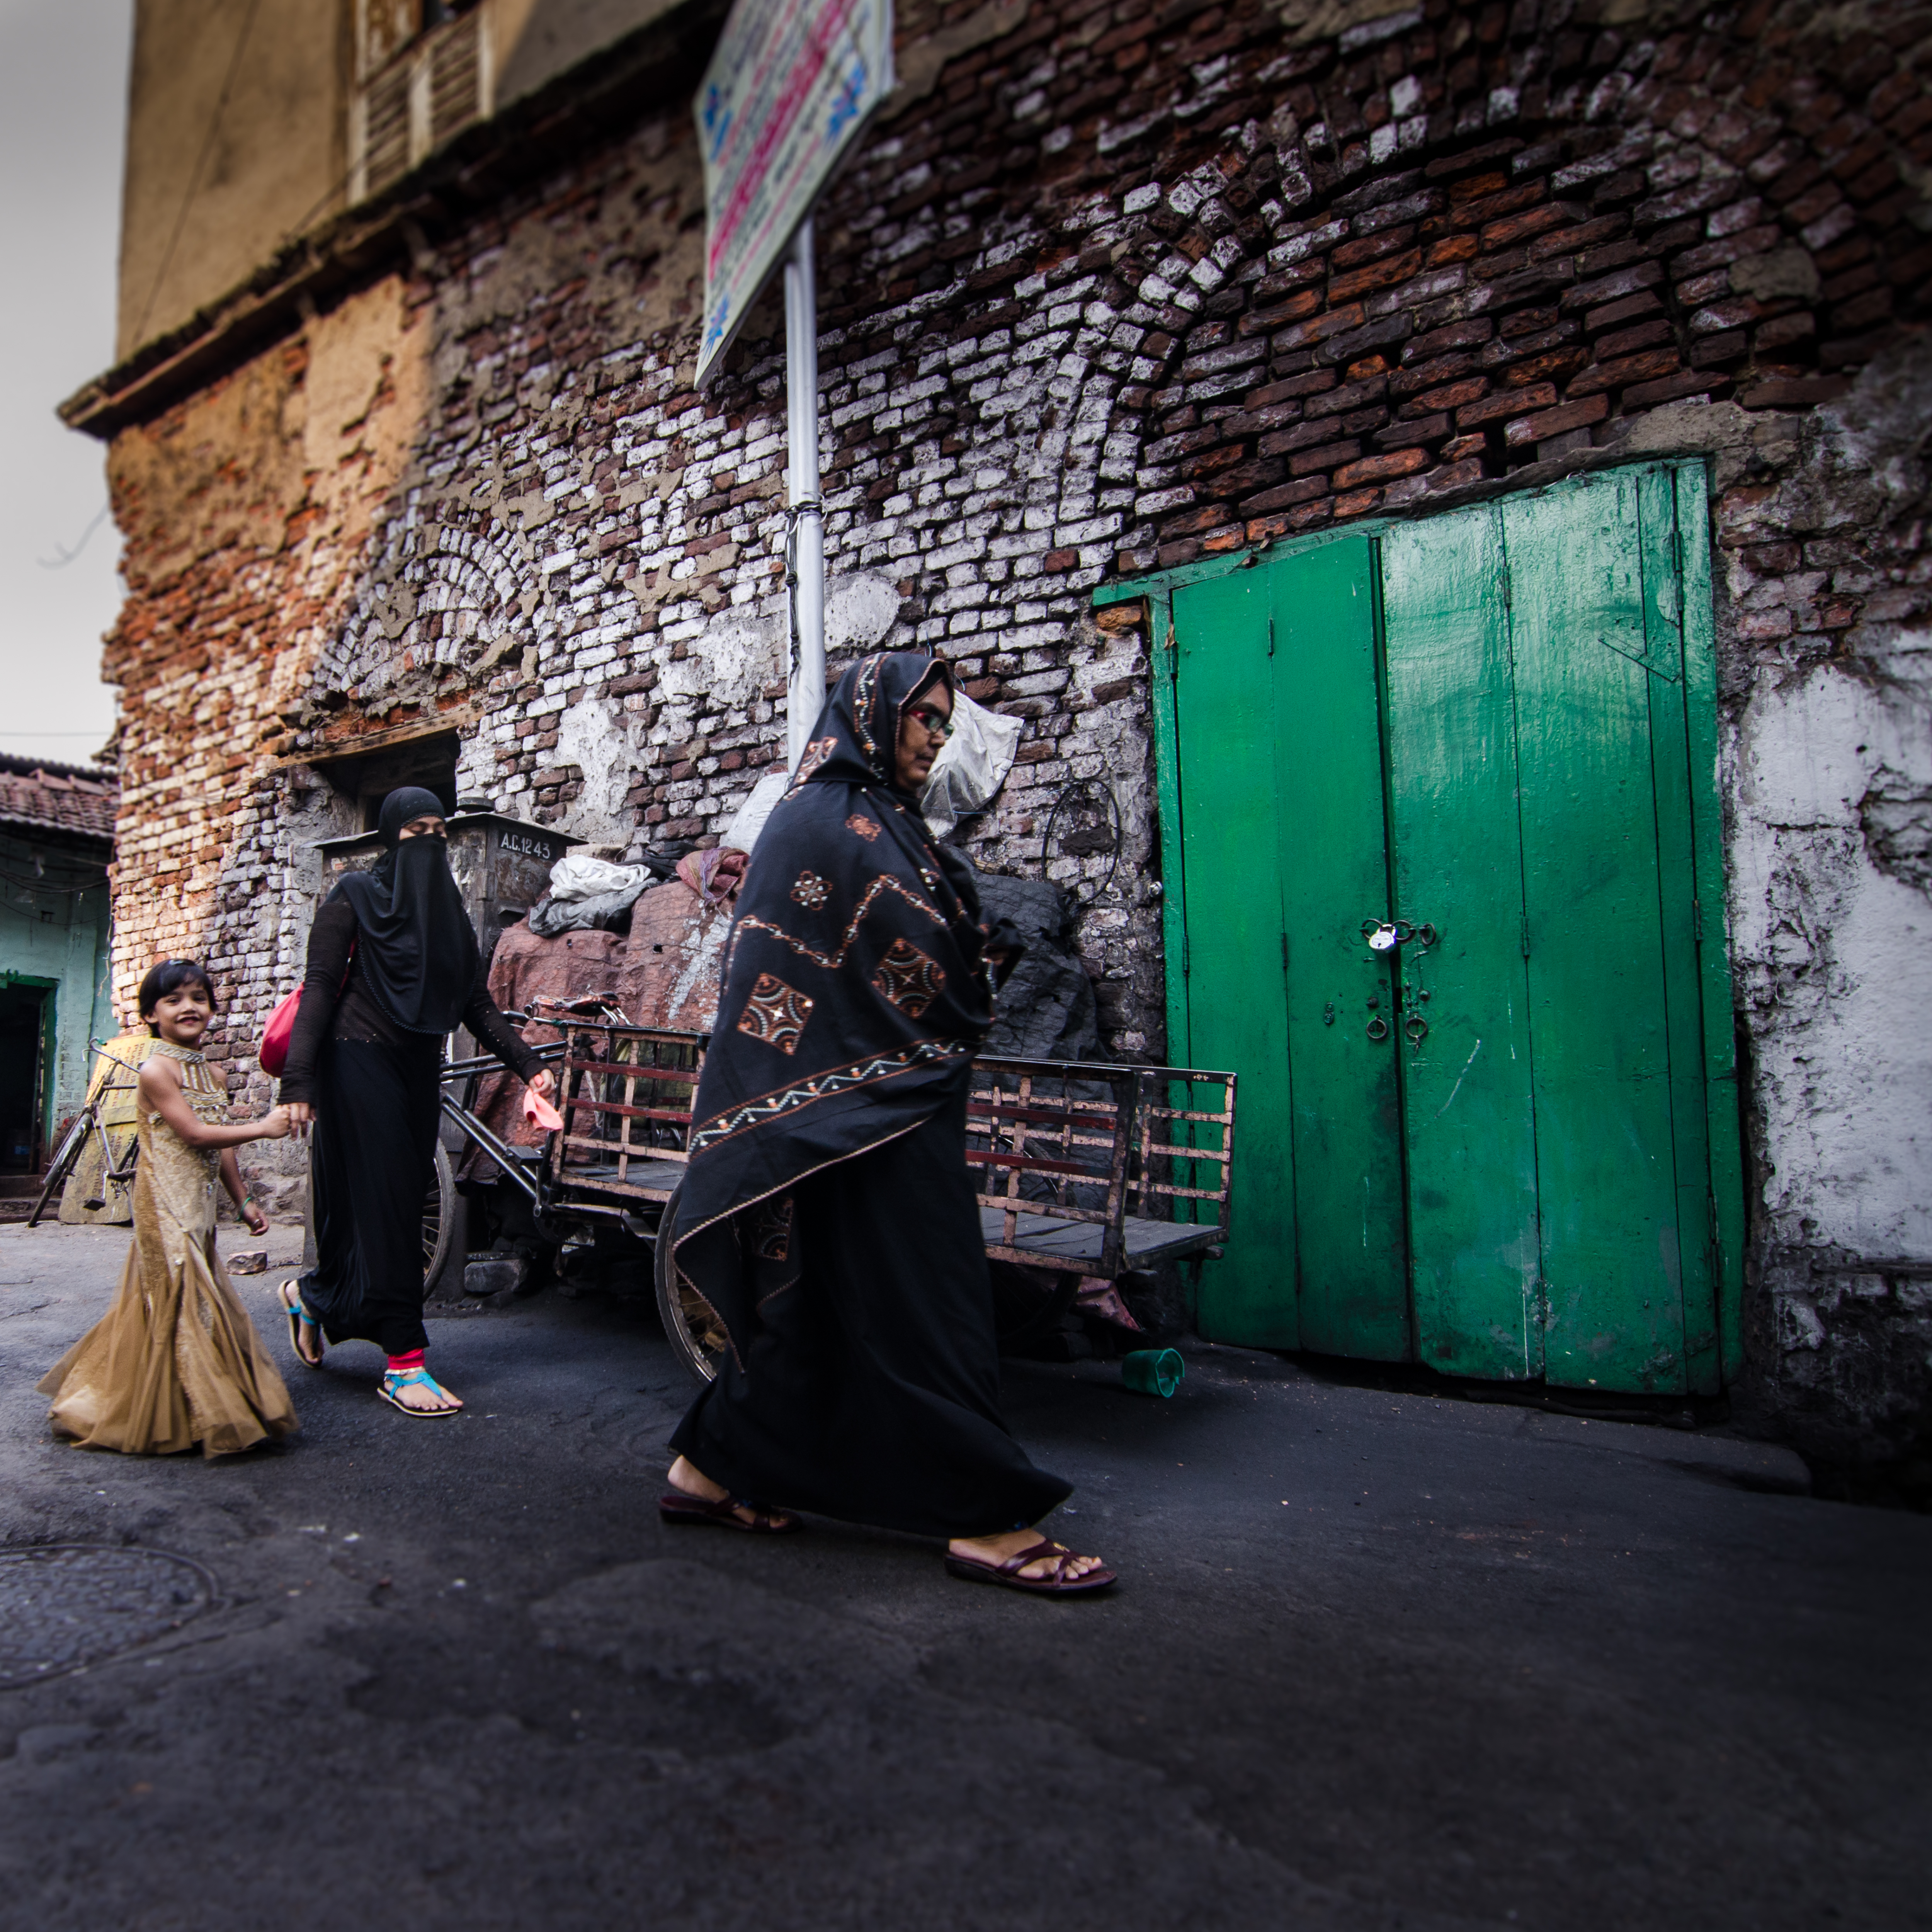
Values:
[(788, 92)]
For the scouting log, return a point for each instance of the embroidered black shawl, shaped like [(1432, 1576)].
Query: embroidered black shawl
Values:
[(856, 992)]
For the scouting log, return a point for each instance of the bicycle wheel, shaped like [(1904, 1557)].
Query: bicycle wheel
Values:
[(439, 1215), (62, 1165), (690, 1325)]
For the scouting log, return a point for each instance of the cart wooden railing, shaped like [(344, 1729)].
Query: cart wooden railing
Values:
[(1080, 1170), (1100, 1170)]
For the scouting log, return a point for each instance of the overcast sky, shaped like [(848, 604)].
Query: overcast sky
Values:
[(63, 105)]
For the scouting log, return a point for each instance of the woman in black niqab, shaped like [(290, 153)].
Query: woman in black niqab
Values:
[(827, 1214), (393, 967), (417, 948)]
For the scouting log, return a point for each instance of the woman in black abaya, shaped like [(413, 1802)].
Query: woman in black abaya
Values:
[(827, 1214), (393, 967)]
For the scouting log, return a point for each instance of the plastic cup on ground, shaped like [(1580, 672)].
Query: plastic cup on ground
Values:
[(1152, 1371)]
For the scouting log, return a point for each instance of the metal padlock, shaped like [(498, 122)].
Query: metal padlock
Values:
[(1385, 936)]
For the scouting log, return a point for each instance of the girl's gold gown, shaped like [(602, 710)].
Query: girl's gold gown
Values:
[(175, 1361)]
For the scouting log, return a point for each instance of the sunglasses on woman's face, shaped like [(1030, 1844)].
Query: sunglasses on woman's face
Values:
[(934, 724)]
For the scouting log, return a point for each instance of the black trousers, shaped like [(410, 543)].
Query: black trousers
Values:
[(871, 1390), (377, 1108)]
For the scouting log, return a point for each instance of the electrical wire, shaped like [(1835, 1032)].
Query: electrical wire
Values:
[(41, 885), (66, 556)]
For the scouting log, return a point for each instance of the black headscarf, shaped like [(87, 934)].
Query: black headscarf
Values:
[(416, 947), (855, 986)]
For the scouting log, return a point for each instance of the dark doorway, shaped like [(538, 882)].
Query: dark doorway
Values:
[(25, 1010), (368, 778)]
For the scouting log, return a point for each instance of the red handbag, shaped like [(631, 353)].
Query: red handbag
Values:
[(281, 1026)]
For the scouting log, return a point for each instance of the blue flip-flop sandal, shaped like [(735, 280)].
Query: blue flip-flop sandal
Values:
[(396, 1380), (298, 1314)]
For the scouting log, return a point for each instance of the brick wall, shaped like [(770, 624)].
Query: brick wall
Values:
[(1125, 286)]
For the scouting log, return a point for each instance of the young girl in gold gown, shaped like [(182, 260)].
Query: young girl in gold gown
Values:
[(175, 1362)]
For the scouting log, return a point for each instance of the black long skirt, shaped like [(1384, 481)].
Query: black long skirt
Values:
[(871, 1390), (376, 1109)]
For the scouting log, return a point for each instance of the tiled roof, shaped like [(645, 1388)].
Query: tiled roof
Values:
[(58, 798)]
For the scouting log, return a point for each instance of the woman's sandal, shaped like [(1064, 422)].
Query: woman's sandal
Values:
[(299, 1316), (1055, 1583), (679, 1507), (395, 1380)]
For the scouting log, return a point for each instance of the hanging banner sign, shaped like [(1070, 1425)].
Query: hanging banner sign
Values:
[(788, 92)]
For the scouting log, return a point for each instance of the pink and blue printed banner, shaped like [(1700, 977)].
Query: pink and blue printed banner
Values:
[(789, 90)]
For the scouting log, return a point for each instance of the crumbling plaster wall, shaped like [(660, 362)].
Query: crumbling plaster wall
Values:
[(246, 512), (1124, 287), (1829, 767)]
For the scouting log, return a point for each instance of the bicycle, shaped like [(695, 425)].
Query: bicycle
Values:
[(86, 1122)]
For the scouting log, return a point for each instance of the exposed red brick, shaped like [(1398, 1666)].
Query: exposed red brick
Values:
[(1491, 409), (1555, 422), (1452, 396), (1326, 457), (1793, 392), (1380, 469), (1377, 275), (1358, 505), (1611, 375), (1515, 228), (1260, 321), (1302, 334)]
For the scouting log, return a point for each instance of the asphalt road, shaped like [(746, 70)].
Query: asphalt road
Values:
[(1377, 1660)]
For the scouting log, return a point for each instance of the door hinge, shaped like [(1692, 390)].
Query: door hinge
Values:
[(1506, 587), (1186, 959), (1677, 550), (1284, 952), (1697, 921), (1271, 634), (1526, 935)]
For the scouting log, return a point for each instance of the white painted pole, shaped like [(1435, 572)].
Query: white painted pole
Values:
[(806, 697)]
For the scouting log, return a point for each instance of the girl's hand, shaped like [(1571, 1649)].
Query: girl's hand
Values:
[(275, 1124), (301, 1117), (257, 1221)]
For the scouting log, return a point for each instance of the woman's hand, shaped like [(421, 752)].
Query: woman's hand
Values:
[(544, 1085), (301, 1117), (257, 1222)]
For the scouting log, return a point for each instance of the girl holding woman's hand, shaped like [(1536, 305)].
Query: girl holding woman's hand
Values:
[(175, 1361)]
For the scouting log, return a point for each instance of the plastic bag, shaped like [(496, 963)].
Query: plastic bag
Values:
[(972, 765), (575, 877), (749, 819)]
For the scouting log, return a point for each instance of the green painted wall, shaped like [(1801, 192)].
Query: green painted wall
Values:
[(54, 927)]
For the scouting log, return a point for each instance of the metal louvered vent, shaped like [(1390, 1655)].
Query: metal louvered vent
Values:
[(385, 155), (428, 92), (455, 74)]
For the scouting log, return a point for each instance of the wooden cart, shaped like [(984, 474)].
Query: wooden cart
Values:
[(1082, 1170)]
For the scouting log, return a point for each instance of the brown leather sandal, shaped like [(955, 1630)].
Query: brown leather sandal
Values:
[(676, 1507), (1055, 1583)]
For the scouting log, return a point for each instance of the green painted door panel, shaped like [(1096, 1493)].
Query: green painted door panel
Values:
[(1467, 1110), (1677, 912), (1502, 722), (1719, 1039), (1224, 721), (1351, 1262), (1584, 664)]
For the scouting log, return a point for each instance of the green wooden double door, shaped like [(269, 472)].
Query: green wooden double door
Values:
[(1450, 904)]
